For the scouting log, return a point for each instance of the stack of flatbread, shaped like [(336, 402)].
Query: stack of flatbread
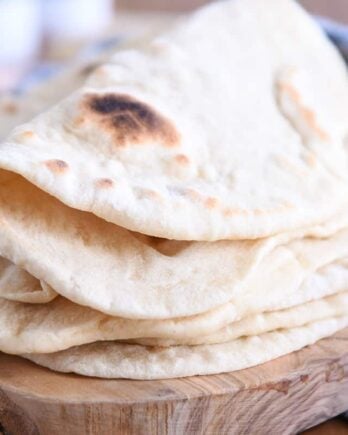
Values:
[(184, 211)]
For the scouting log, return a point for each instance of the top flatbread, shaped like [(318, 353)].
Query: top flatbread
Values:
[(231, 125)]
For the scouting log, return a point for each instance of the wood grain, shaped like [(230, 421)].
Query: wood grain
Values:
[(284, 396), (332, 427)]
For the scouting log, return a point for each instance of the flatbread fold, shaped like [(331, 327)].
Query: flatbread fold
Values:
[(97, 264), (18, 285), (186, 141)]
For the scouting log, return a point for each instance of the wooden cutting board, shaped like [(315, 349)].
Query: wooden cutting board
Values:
[(284, 396)]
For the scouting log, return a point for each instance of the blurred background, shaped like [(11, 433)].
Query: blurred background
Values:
[(38, 37)]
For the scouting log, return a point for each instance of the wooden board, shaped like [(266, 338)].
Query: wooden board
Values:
[(284, 396)]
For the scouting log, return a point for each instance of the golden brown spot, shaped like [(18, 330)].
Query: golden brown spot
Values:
[(289, 166), (104, 183), (259, 211), (305, 113), (27, 134), (128, 120), (311, 160), (310, 118), (182, 159), (193, 194), (10, 107), (149, 194), (79, 121), (57, 166), (229, 211), (211, 202), (291, 91), (100, 71)]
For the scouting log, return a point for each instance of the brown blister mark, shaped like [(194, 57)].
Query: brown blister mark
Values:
[(193, 194), (28, 134), (181, 159), (230, 211), (304, 378), (104, 183), (259, 211), (10, 107), (290, 90), (310, 118), (149, 194), (128, 120), (100, 71), (211, 202), (79, 120), (335, 372), (289, 166), (311, 160), (57, 166), (304, 112)]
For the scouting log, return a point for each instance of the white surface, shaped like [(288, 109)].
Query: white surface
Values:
[(76, 19), (20, 30)]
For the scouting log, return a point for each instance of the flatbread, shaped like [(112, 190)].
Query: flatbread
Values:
[(188, 140), (62, 324), (114, 360), (18, 285), (256, 324), (97, 264)]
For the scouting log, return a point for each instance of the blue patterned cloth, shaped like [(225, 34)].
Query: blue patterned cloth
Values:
[(338, 33)]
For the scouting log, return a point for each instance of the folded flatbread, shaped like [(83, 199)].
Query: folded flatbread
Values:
[(230, 125)]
